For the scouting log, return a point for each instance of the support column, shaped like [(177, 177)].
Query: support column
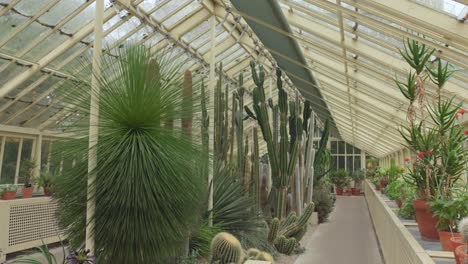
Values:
[(18, 160), (93, 126), (211, 89)]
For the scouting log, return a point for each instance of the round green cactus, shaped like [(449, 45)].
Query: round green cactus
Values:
[(225, 248), (263, 256)]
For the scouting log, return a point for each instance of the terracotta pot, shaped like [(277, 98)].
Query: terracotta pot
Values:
[(357, 192), (349, 192), (377, 188), (445, 237), (8, 195), (461, 254), (383, 183), (399, 203), (339, 191), (27, 192), (456, 242), (46, 191), (426, 221)]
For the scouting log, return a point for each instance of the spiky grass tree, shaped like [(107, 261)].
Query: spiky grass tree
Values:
[(148, 184)]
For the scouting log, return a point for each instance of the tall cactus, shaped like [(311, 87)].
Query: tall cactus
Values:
[(256, 168), (205, 123), (282, 160), (226, 249), (274, 228), (285, 245), (188, 93), (240, 126)]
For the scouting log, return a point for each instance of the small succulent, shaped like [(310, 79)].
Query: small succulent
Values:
[(8, 188), (81, 257)]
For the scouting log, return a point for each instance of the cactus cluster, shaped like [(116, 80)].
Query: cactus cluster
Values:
[(226, 249), (282, 158), (256, 254), (285, 235)]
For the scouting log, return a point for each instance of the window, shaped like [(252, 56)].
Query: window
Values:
[(10, 158), (345, 156)]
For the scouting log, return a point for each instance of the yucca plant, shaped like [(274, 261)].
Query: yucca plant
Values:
[(148, 171)]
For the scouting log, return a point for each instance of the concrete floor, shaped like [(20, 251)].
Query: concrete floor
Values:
[(348, 237)]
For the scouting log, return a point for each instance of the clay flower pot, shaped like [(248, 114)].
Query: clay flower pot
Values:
[(461, 254), (383, 183), (349, 192), (445, 238), (357, 192), (27, 191), (456, 242), (426, 221), (46, 191), (377, 187), (8, 195), (339, 191), (399, 203)]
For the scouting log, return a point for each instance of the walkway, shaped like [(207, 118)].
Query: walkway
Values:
[(348, 237)]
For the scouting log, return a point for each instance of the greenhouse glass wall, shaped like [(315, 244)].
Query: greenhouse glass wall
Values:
[(234, 131)]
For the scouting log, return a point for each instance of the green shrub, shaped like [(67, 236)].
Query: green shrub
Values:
[(339, 177)]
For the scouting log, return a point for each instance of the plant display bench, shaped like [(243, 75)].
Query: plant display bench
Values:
[(27, 223), (397, 243)]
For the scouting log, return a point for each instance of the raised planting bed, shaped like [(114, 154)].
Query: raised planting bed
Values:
[(399, 239)]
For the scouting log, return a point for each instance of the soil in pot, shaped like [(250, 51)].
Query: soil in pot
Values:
[(8, 195), (461, 254), (426, 221), (27, 192), (399, 203), (339, 191), (444, 237)]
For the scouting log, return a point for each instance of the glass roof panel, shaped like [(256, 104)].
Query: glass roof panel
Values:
[(446, 6), (186, 11), (172, 5)]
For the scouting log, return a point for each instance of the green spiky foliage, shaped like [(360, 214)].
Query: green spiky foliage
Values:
[(226, 249), (285, 245), (45, 255), (201, 237), (282, 158), (233, 208), (441, 156), (149, 181)]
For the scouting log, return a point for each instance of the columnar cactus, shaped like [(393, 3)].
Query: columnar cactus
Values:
[(463, 228), (297, 226), (240, 126), (188, 93), (255, 174), (285, 245), (282, 160), (225, 248), (274, 228)]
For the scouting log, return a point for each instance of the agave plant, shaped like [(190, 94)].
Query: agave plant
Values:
[(148, 177)]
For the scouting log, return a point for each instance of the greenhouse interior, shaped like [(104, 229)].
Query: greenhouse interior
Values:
[(242, 131)]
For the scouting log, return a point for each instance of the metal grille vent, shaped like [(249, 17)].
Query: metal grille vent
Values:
[(30, 222)]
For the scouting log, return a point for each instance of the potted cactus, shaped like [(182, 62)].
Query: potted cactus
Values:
[(27, 172), (340, 179), (461, 244), (8, 191)]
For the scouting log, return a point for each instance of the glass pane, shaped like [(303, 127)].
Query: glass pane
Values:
[(349, 164), (349, 149), (10, 157), (341, 147), (334, 147), (357, 163), (26, 152), (357, 151), (341, 162), (45, 154)]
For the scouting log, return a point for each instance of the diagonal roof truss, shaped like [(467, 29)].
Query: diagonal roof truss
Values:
[(351, 47)]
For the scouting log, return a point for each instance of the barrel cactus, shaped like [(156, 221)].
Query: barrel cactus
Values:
[(263, 256), (463, 228), (252, 253), (225, 248)]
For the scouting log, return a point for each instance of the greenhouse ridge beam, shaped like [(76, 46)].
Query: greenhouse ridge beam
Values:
[(272, 14)]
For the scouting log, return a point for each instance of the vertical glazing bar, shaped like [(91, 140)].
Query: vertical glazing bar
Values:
[(2, 151), (18, 160), (93, 126)]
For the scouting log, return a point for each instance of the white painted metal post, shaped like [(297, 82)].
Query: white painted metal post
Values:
[(211, 87), (38, 155), (2, 151), (93, 126), (18, 160), (363, 159)]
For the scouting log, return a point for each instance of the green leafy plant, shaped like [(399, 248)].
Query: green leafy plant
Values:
[(340, 178), (8, 188), (27, 171), (324, 203), (358, 177), (149, 185), (44, 252), (450, 211), (394, 189), (407, 210)]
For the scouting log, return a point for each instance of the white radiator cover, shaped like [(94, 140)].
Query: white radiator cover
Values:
[(27, 223)]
